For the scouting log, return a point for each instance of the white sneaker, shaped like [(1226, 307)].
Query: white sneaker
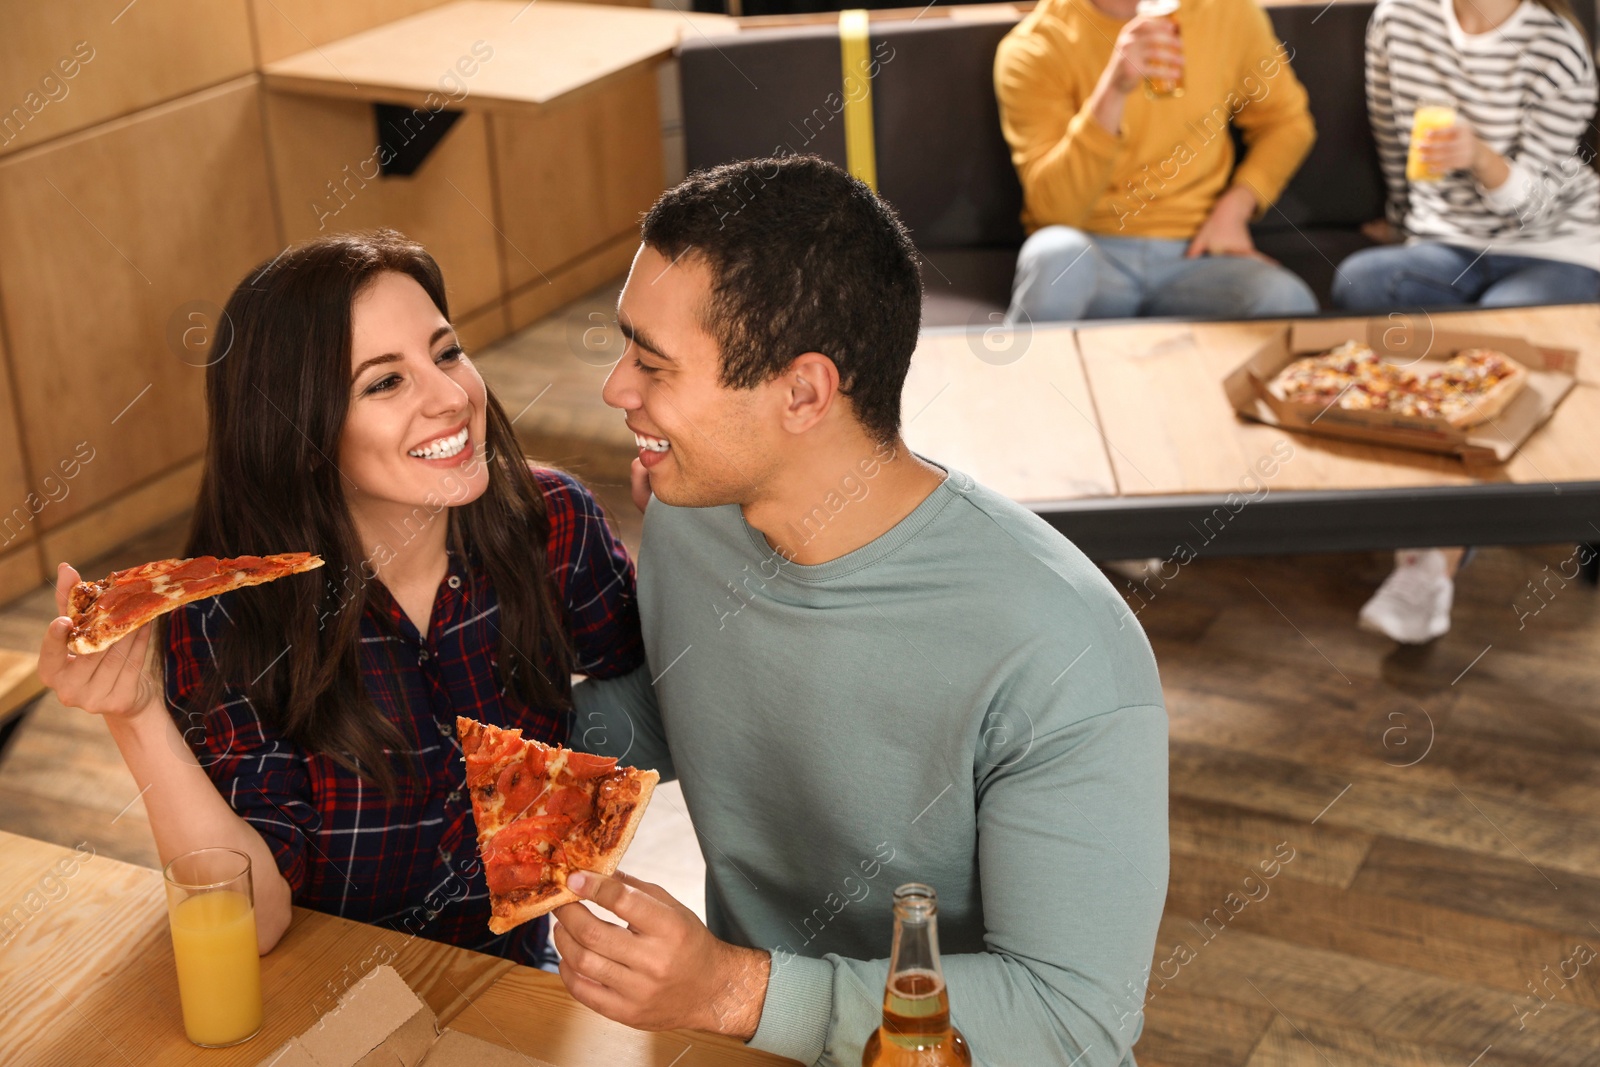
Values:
[(1412, 605), (1136, 570)]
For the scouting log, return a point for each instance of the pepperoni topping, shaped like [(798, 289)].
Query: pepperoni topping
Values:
[(581, 765), (523, 836), (124, 603), (503, 878), (535, 758), (519, 788), (492, 748), (572, 801)]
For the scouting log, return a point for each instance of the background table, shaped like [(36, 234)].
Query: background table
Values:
[(86, 976), (1120, 435)]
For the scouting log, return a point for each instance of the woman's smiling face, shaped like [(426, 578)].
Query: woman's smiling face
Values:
[(414, 433)]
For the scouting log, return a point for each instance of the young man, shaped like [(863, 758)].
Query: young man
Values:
[(864, 668), (1131, 200)]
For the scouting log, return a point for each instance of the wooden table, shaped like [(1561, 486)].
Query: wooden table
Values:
[(519, 141), (1132, 451), (542, 52), (86, 976)]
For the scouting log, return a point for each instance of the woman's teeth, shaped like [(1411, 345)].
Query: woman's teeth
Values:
[(443, 448), (651, 444)]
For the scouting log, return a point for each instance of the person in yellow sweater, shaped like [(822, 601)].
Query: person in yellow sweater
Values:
[(1131, 200)]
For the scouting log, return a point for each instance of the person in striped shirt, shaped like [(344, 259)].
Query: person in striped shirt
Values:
[(1513, 219)]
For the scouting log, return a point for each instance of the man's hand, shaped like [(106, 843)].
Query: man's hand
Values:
[(1226, 231), (664, 969), (1146, 48)]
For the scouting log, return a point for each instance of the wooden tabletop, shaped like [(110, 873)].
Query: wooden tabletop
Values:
[(1012, 411), (1148, 415), (86, 976), (541, 52)]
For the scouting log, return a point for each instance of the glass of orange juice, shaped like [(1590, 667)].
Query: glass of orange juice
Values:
[(211, 906), (1432, 113)]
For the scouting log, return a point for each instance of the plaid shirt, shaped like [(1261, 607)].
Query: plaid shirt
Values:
[(411, 863)]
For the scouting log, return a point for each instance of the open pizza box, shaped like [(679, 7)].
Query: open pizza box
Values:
[(1551, 376), (380, 1022)]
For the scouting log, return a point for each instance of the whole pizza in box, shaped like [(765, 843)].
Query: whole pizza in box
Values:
[(1471, 387)]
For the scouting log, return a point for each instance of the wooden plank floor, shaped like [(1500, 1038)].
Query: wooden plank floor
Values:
[(1441, 805)]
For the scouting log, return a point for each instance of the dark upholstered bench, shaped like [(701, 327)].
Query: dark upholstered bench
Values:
[(945, 167)]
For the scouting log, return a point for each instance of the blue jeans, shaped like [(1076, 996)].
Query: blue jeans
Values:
[(1433, 274), (1065, 273)]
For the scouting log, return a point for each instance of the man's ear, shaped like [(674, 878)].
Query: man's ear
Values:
[(810, 387)]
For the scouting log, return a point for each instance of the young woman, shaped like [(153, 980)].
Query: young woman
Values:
[(311, 722), (1513, 216)]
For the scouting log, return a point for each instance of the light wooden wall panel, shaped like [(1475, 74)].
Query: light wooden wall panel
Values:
[(578, 176), (20, 569), (19, 572), (147, 505), (288, 27), (17, 528), (448, 204), (138, 55), (104, 237)]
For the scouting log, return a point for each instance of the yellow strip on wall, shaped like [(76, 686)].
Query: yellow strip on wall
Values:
[(860, 149)]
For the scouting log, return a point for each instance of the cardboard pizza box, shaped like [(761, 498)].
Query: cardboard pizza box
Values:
[(380, 1022), (1551, 376)]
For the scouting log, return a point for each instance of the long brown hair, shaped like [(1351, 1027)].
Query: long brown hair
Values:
[(277, 393)]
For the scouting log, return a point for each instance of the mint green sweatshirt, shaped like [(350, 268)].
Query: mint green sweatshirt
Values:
[(965, 702)]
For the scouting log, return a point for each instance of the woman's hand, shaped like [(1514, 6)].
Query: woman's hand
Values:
[(1452, 148), (1449, 148), (639, 485), (1381, 231), (120, 681)]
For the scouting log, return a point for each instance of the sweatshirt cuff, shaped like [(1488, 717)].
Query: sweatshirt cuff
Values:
[(799, 1005), (1084, 129), (1266, 187), (1512, 193)]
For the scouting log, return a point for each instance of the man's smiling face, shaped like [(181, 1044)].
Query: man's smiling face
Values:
[(703, 443)]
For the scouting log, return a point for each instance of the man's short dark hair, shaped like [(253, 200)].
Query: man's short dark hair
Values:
[(804, 258)]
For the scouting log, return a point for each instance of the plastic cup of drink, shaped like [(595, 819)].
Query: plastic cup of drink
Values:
[(211, 908), (1158, 88), (1432, 113)]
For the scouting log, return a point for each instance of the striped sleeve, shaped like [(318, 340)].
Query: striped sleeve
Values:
[(1544, 158)]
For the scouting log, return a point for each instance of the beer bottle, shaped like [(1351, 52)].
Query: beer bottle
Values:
[(916, 1030)]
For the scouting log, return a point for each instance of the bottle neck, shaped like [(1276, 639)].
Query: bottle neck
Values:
[(916, 1008), (916, 944)]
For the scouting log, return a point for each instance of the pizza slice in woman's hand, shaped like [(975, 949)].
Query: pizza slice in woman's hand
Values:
[(543, 812), (106, 611)]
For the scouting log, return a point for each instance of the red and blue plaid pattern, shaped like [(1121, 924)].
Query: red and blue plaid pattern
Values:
[(411, 863)]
